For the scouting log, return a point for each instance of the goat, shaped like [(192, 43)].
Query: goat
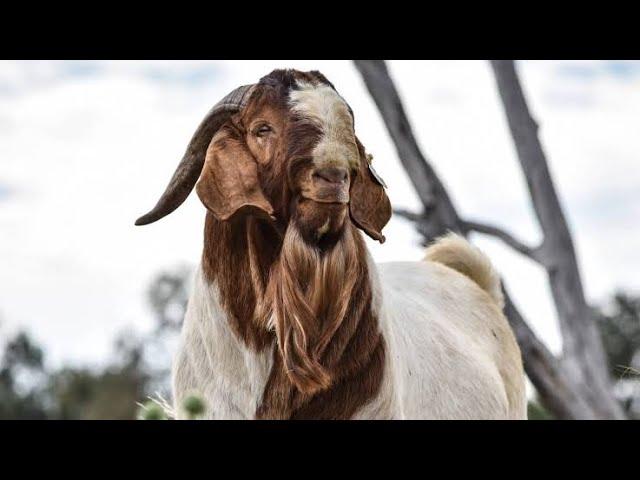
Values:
[(289, 317)]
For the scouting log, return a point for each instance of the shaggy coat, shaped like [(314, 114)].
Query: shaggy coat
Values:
[(289, 317)]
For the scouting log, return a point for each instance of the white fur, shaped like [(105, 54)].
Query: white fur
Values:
[(212, 362), (455, 252), (442, 356), (450, 353), (322, 104)]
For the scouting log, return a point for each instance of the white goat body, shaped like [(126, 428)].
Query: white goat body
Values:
[(449, 350)]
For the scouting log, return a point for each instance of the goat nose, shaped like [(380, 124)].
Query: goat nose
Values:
[(332, 174)]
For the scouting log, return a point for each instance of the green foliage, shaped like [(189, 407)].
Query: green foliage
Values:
[(536, 411), (193, 406), (619, 327), (21, 358), (168, 295), (151, 411), (68, 393), (28, 390), (110, 393), (620, 332)]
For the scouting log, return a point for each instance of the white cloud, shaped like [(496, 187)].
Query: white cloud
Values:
[(85, 152)]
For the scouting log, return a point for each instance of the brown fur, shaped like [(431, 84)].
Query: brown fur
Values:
[(227, 262), (229, 180), (296, 277), (340, 366), (331, 355), (370, 207)]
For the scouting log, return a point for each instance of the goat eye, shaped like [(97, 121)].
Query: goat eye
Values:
[(262, 130)]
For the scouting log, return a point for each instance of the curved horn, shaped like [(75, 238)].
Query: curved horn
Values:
[(188, 171)]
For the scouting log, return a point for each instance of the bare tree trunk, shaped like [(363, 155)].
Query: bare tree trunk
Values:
[(561, 390), (583, 353)]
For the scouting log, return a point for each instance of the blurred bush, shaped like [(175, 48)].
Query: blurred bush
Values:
[(619, 325), (139, 368)]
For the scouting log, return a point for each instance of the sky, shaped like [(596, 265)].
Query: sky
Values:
[(88, 146)]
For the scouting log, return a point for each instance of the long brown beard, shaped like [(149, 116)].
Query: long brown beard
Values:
[(306, 300)]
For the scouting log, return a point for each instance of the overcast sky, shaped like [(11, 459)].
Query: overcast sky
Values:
[(87, 147)]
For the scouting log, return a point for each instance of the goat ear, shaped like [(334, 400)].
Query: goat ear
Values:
[(369, 205), (229, 183)]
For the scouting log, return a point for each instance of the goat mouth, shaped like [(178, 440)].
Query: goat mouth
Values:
[(333, 196), (320, 223), (327, 201)]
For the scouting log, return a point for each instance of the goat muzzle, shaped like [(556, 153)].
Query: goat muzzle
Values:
[(327, 185)]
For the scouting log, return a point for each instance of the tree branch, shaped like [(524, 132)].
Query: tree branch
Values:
[(531, 252), (408, 214)]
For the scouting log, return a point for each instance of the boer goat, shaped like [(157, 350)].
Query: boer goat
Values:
[(289, 317)]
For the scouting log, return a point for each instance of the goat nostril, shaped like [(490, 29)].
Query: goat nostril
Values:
[(332, 174)]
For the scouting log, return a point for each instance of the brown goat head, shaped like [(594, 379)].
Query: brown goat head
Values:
[(283, 153), (281, 149)]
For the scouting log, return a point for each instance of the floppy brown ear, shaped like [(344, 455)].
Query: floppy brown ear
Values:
[(369, 205), (229, 182), (190, 167)]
